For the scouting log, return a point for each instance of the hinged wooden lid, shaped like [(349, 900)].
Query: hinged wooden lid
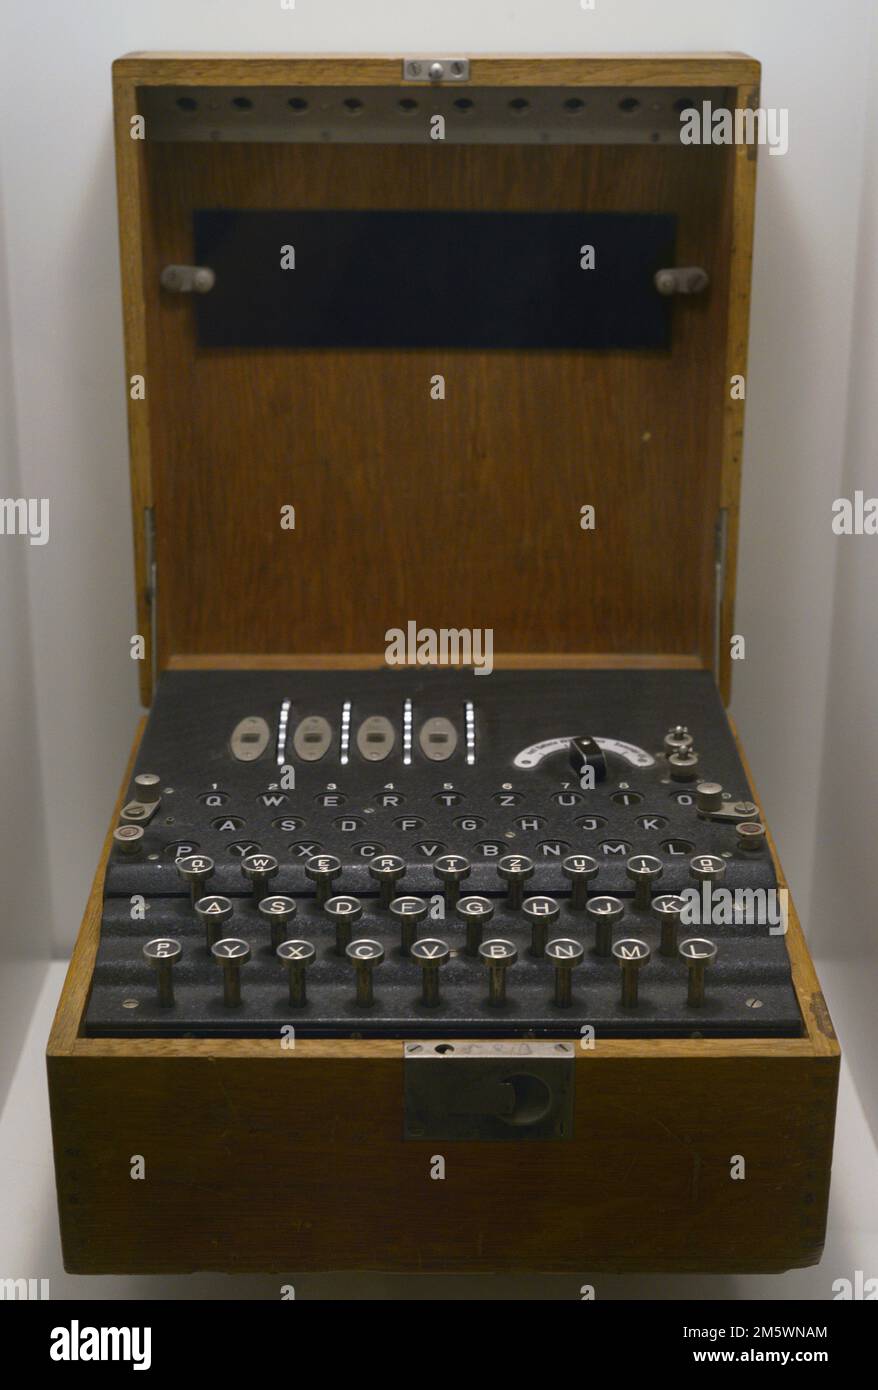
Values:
[(462, 512)]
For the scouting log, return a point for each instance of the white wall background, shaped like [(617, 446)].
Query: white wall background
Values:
[(811, 421), (25, 924)]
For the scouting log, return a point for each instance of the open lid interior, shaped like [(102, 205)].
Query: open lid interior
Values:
[(411, 393)]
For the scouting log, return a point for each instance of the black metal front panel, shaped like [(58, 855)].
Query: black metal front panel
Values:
[(432, 279), (534, 807)]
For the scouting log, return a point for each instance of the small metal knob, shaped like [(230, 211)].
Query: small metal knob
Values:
[(322, 870), (541, 912), (698, 953), (431, 954), (409, 912), (668, 908), (565, 955), (231, 953), (162, 954), (387, 870), (644, 870), (365, 955), (296, 956), (213, 912), (580, 869), (498, 955), (475, 913), (451, 870), (632, 954), (604, 912), (344, 911), (515, 870), (278, 911)]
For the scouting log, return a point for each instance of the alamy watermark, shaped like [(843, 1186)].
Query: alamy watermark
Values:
[(707, 906), (25, 516), (444, 646), (718, 125)]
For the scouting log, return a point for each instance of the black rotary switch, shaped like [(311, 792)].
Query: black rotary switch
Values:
[(586, 752)]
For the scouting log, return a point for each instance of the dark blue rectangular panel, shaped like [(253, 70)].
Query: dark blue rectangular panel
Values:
[(433, 279)]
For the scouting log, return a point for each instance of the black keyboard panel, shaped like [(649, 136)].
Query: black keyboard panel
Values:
[(507, 787)]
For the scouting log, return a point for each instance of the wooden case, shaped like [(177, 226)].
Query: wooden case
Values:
[(250, 1149)]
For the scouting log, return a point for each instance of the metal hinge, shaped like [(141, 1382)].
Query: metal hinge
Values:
[(435, 70), (719, 582), (465, 1090), (151, 587)]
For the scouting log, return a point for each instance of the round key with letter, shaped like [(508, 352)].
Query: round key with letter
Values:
[(605, 912), (565, 954), (515, 870), (580, 869), (631, 954), (707, 868), (278, 911), (296, 956), (231, 953), (162, 954), (451, 870), (431, 954), (322, 870), (697, 953), (542, 913), (387, 870), (475, 912), (668, 908), (344, 911), (260, 869), (409, 912), (365, 955), (195, 870), (498, 955), (644, 870), (213, 912)]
